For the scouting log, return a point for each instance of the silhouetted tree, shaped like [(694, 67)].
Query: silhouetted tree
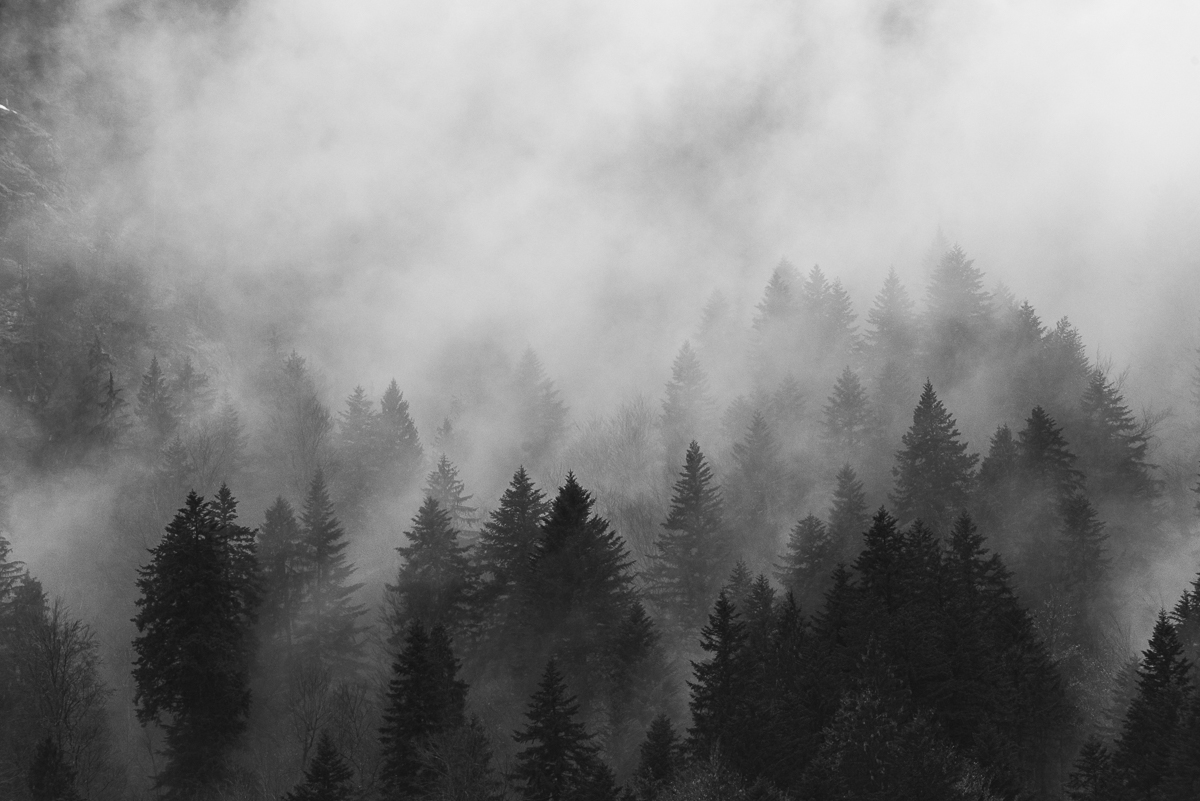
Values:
[(848, 515), (688, 408), (508, 540), (753, 492), (808, 561), (959, 315), (558, 761), (436, 582), (661, 760), (718, 693), (327, 777), (445, 487), (282, 560), (847, 416), (400, 451), (50, 776), (933, 472), (156, 404)]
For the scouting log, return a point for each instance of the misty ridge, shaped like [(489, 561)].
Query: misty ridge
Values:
[(648, 401)]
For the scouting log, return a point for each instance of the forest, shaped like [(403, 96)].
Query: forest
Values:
[(906, 548)]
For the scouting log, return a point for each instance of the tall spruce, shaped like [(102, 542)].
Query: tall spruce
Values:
[(934, 473), (436, 582), (328, 630), (754, 493), (693, 552), (156, 404), (847, 416), (199, 597), (808, 562), (1112, 445), (892, 333), (541, 415), (327, 777), (958, 317), (445, 487), (688, 408), (508, 540), (425, 697), (660, 760), (848, 515), (558, 762), (400, 451), (718, 692), (282, 559)]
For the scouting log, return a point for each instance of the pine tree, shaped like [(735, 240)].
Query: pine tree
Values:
[(1045, 459), (356, 446), (1083, 563), (892, 337), (882, 562), (51, 777), (1092, 778), (194, 645), (959, 314), (558, 761), (1112, 446), (194, 396), (425, 697), (840, 334), (1065, 366), (400, 450), (1142, 754), (692, 554), (156, 404), (508, 541), (848, 517), (739, 584), (541, 413), (808, 562), (847, 415), (281, 556), (999, 486), (436, 581), (688, 408), (328, 629), (661, 760), (934, 472), (327, 777), (777, 304), (754, 492), (445, 487), (718, 693)]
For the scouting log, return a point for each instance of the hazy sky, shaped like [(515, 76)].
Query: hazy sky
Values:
[(581, 175)]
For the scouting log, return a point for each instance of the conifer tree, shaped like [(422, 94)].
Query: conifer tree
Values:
[(445, 487), (934, 473), (1082, 547), (1065, 366), (1092, 779), (754, 492), (192, 393), (156, 404), (999, 485), (436, 581), (508, 540), (840, 334), (848, 517), (328, 629), (1141, 758), (400, 450), (688, 408), (282, 560), (739, 584), (557, 763), (541, 413), (199, 597), (425, 697), (660, 762), (1112, 446), (692, 554), (808, 562), (892, 337), (777, 304), (959, 314), (718, 693), (51, 777), (356, 446), (327, 777), (847, 415)]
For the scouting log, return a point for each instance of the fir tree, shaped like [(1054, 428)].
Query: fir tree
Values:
[(999, 485), (693, 552), (156, 404), (848, 516), (400, 450), (541, 413), (445, 487), (356, 445), (508, 541), (777, 304), (959, 314), (436, 581), (328, 629), (718, 693), (558, 761), (688, 408), (739, 584), (1045, 459), (847, 415), (808, 562), (281, 557), (660, 760), (754, 492), (1112, 446), (934, 472), (327, 777), (1092, 778), (194, 396), (425, 697), (199, 596), (1082, 547), (840, 335), (892, 337)]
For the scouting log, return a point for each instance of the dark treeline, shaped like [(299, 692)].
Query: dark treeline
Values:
[(825, 560)]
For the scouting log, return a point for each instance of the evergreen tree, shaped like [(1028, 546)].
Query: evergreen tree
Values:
[(1083, 563), (328, 629), (740, 582), (718, 693), (400, 450), (327, 777), (1141, 758), (688, 408), (999, 486), (1182, 781), (777, 304), (199, 596), (425, 697), (1092, 778), (156, 404), (356, 446), (508, 541), (445, 487), (808, 562), (558, 761), (892, 337), (847, 415), (1112, 446), (192, 393), (841, 337), (51, 777), (693, 553), (934, 472), (541, 413), (959, 314), (436, 581), (848, 516), (281, 557), (661, 760), (754, 492)]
